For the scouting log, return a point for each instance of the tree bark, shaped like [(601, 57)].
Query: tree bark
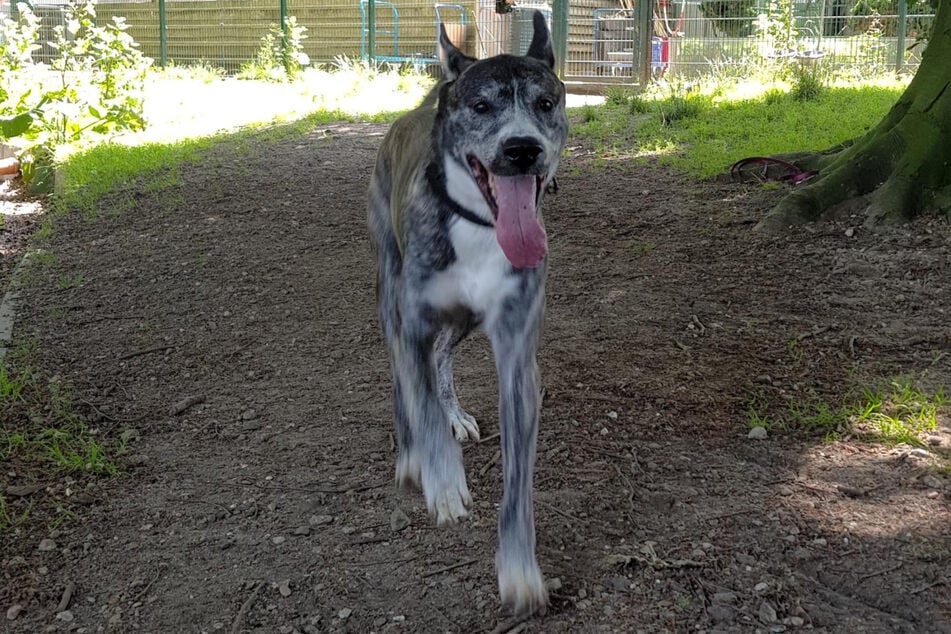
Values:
[(900, 168)]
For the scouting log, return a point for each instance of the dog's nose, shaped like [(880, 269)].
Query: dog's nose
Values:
[(522, 151)]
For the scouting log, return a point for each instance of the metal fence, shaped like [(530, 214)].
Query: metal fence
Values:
[(599, 41)]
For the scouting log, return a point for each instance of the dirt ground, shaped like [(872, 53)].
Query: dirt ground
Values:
[(227, 328)]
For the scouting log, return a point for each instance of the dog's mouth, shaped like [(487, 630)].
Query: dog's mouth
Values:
[(513, 203)]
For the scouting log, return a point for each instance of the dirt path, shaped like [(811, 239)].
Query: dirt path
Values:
[(267, 506)]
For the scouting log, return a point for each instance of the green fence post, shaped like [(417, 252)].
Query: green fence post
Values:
[(283, 10), (900, 42), (371, 29), (559, 34), (162, 35), (645, 29)]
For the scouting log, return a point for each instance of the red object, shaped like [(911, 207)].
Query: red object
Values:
[(9, 166)]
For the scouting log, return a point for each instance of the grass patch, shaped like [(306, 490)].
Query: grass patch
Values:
[(703, 129), (895, 413)]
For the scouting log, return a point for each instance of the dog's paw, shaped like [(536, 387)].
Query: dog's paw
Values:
[(447, 495), (408, 472), (521, 586), (464, 426)]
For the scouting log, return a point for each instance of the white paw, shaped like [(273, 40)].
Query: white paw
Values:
[(464, 426), (447, 497), (521, 586), (408, 471)]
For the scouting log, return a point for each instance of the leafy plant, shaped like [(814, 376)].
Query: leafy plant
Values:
[(281, 56), (91, 89), (733, 18)]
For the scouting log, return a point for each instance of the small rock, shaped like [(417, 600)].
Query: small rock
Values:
[(284, 587), (618, 584), (761, 587), (582, 593), (553, 584), (721, 613), (47, 545), (820, 541), (302, 530), (399, 618), (757, 433), (65, 616), (344, 613), (249, 415), (612, 415), (766, 613), (320, 520), (795, 621), (398, 520), (932, 482), (850, 232), (14, 611), (724, 597), (278, 540)]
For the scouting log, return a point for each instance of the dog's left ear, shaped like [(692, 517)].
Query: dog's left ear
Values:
[(453, 60), (540, 48)]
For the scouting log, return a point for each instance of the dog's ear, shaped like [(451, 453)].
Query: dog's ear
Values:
[(453, 60), (540, 48)]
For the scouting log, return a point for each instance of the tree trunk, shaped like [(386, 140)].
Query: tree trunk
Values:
[(900, 168)]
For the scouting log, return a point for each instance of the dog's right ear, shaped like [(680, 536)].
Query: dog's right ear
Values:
[(453, 60)]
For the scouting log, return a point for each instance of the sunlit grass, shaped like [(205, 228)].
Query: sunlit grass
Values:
[(704, 127)]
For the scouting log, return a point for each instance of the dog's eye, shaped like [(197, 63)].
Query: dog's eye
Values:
[(482, 107), (545, 105)]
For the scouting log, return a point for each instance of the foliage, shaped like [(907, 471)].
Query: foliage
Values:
[(733, 18), (281, 56), (702, 129), (92, 89)]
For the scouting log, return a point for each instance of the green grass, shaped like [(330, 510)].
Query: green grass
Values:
[(702, 130), (895, 413)]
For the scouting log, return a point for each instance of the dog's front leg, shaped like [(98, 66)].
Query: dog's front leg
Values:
[(439, 454), (514, 343)]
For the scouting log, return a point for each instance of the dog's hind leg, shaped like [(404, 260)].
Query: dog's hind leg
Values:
[(463, 425), (514, 339), (440, 456)]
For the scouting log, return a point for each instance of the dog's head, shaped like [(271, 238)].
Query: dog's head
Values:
[(501, 128)]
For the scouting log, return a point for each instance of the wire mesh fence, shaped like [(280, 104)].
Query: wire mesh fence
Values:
[(604, 40)]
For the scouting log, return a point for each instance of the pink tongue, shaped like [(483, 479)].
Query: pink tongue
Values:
[(521, 237)]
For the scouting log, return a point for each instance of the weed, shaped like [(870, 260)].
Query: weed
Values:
[(12, 384), (66, 282), (808, 84), (10, 520), (896, 414), (756, 416), (617, 95)]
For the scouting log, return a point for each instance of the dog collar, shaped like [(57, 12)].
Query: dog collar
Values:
[(464, 213), (433, 175)]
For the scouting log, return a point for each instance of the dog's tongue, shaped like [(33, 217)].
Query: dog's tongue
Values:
[(517, 229)]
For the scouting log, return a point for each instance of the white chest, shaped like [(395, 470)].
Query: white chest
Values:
[(479, 279)]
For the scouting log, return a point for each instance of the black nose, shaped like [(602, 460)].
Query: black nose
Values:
[(522, 151)]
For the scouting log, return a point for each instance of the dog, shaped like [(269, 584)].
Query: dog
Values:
[(454, 218)]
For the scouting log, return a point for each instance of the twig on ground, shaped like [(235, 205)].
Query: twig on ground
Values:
[(939, 582), (140, 353), (883, 571), (555, 509), (482, 441), (67, 597), (513, 625), (720, 516), (245, 608), (184, 404), (461, 564), (488, 465), (141, 593)]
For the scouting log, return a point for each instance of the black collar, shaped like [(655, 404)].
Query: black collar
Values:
[(434, 175)]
